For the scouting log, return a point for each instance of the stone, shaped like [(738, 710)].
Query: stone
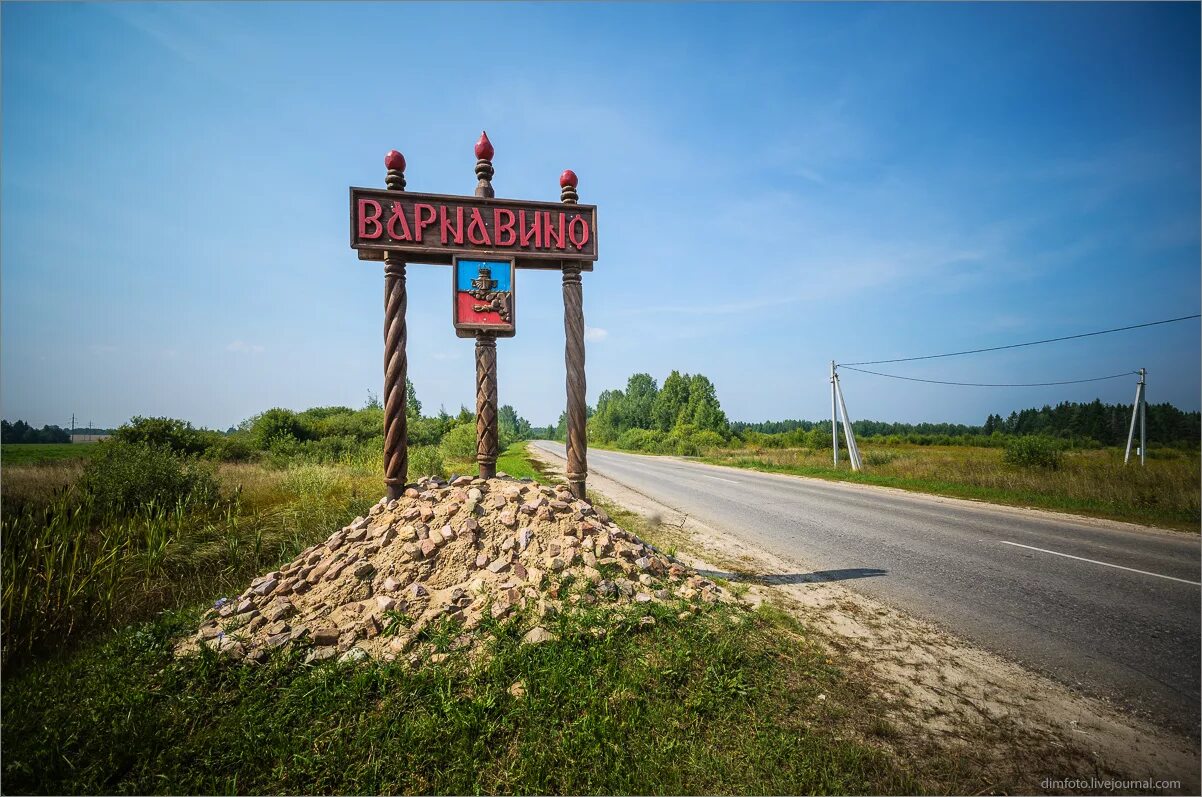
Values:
[(267, 587), (524, 537), (517, 689), (589, 559), (277, 640), (320, 654), (498, 565), (642, 597), (278, 610), (475, 494), (482, 560), (471, 524), (643, 562), (519, 570), (592, 574), (428, 547), (245, 606), (538, 635), (391, 584), (385, 603), (418, 590), (557, 564), (327, 635), (646, 621), (509, 518)]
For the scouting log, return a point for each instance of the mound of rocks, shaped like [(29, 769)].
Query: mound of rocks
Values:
[(452, 553)]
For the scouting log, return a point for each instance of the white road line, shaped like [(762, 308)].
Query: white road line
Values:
[(1096, 562), (719, 478)]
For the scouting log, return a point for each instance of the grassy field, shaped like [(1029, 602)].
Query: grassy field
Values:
[(724, 701), (1089, 482), (32, 453)]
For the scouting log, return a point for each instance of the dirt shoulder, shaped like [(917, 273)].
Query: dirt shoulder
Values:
[(938, 693)]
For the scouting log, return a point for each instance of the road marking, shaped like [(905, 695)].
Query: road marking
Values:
[(719, 478), (1096, 562)]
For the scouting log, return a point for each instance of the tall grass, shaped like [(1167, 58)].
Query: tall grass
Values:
[(1094, 482), (70, 566)]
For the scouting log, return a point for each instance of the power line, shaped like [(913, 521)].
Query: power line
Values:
[(981, 384), (1019, 346)]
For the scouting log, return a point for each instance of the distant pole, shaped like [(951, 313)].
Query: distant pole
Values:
[(573, 327), (396, 361), (1137, 413), (1143, 417), (834, 417), (853, 452), (72, 427), (486, 343)]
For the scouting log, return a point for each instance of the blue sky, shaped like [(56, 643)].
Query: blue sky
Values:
[(778, 186)]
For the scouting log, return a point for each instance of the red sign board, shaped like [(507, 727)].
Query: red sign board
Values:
[(433, 228)]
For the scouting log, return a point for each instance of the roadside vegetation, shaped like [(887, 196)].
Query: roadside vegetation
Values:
[(107, 560), (1066, 458), (108, 564)]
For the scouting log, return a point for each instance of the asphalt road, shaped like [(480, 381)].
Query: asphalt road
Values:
[(1015, 583)]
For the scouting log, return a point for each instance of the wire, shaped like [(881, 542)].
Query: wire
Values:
[(980, 384), (1020, 345)]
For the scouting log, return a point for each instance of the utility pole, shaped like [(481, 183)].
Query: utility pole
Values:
[(834, 417), (1139, 410), (853, 451)]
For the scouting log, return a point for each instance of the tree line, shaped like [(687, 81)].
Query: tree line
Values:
[(21, 432)]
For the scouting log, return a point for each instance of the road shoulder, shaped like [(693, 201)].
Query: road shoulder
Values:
[(940, 690)]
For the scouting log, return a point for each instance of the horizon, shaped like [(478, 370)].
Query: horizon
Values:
[(884, 181)]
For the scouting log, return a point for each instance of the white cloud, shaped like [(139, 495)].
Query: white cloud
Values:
[(243, 347), (595, 334)]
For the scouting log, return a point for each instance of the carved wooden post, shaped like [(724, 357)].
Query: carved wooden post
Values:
[(573, 327), (486, 344), (396, 363)]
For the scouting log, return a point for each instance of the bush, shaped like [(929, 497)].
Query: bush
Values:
[(427, 461), (459, 444), (641, 440), (1033, 452), (176, 435), (275, 427), (124, 477), (230, 449)]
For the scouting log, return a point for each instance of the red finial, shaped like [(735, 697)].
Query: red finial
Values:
[(568, 178), (484, 150), (394, 160)]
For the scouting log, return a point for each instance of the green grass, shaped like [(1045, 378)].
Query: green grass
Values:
[(1094, 483), (727, 702), (32, 453), (512, 460), (724, 700)]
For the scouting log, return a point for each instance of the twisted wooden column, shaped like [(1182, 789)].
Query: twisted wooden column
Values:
[(573, 328), (486, 404), (396, 361), (486, 344)]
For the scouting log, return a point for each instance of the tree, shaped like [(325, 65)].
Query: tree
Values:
[(670, 403), (413, 407), (638, 407), (703, 409)]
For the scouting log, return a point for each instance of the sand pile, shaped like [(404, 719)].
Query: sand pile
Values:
[(463, 550)]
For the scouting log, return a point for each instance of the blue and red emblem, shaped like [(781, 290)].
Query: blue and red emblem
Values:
[(484, 297)]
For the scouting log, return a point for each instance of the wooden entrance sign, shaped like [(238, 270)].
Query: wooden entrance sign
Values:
[(474, 234)]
